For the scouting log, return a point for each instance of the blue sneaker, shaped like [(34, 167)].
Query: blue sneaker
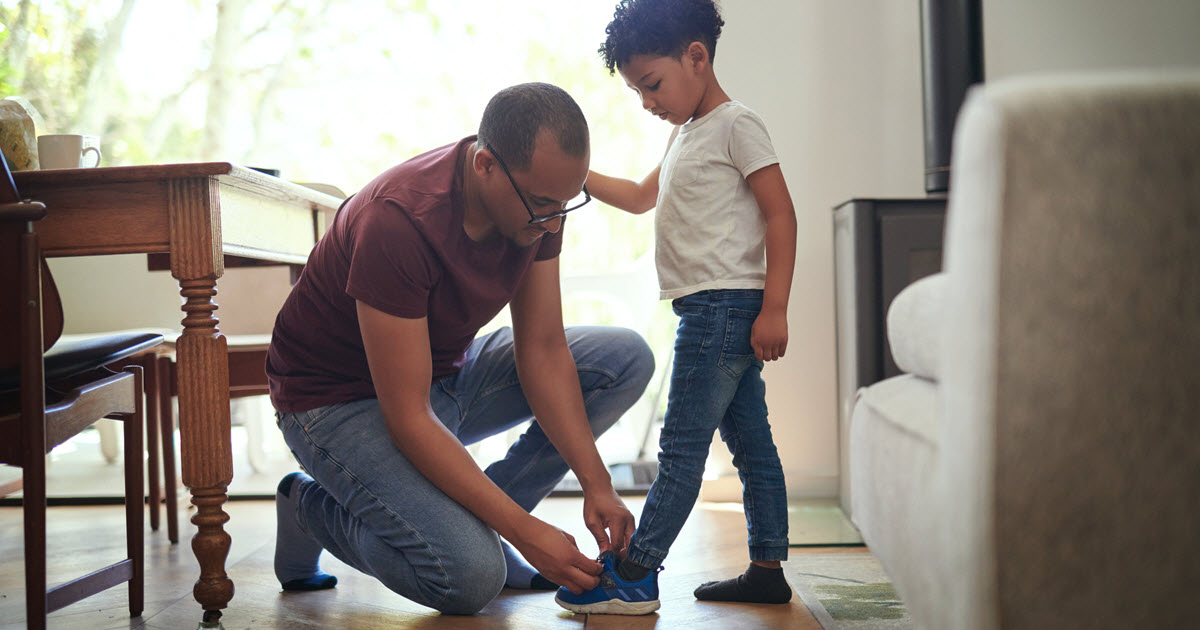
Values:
[(613, 596)]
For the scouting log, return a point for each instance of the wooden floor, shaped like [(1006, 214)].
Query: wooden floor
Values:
[(711, 546)]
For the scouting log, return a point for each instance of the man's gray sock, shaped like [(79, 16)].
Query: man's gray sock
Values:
[(521, 575), (296, 553)]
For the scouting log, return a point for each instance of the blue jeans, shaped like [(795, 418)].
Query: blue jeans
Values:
[(716, 383), (373, 510)]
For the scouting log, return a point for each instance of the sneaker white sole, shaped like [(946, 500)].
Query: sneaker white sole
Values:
[(611, 607)]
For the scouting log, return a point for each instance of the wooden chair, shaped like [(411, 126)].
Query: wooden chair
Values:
[(157, 374), (50, 392)]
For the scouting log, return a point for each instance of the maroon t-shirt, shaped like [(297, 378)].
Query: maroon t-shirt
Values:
[(399, 246)]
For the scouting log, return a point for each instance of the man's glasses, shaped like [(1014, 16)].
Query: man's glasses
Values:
[(535, 219)]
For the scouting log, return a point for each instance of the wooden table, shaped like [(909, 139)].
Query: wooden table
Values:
[(197, 215)]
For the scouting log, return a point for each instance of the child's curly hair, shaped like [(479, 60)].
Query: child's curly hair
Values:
[(659, 27)]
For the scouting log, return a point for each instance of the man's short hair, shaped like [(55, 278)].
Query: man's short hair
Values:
[(663, 28), (512, 119)]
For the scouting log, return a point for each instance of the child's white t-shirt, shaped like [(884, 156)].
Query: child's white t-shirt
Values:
[(709, 231)]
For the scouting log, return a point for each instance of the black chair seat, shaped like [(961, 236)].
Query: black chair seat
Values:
[(66, 359)]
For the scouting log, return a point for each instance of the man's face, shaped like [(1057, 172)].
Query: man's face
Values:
[(669, 88), (552, 182)]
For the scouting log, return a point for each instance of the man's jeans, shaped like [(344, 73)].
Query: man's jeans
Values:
[(373, 510), (716, 383)]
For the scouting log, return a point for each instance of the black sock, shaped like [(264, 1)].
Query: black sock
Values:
[(631, 572), (539, 583), (758, 585)]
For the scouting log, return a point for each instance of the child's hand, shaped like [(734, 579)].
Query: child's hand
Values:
[(769, 334)]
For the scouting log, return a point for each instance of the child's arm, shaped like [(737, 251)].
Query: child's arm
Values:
[(769, 334), (625, 194)]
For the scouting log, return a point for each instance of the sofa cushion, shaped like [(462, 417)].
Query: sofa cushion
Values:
[(914, 326), (893, 460)]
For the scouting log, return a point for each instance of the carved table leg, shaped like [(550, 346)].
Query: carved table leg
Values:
[(205, 448)]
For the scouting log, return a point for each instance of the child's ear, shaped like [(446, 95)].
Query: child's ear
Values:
[(697, 53)]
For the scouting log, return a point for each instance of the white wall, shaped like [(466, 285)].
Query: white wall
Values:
[(1024, 36), (839, 84)]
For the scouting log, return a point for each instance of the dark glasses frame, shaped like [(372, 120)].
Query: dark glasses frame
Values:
[(535, 219)]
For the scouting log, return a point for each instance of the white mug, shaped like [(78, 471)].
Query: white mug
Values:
[(67, 150)]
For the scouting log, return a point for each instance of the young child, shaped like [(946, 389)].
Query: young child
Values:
[(725, 236)]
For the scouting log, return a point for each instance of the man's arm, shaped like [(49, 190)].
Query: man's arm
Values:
[(769, 335), (399, 357), (550, 381)]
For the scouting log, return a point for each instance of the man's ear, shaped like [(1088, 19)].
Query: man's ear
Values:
[(482, 162)]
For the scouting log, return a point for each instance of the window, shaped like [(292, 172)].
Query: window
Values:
[(337, 91)]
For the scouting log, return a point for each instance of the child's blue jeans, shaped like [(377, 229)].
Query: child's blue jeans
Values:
[(716, 383)]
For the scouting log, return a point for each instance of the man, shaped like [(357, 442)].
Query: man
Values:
[(379, 382)]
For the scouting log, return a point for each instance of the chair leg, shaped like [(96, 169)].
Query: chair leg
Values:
[(166, 418), (253, 422), (135, 497), (150, 369), (34, 507), (108, 439)]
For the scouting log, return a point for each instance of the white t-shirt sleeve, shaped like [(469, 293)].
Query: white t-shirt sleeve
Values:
[(750, 145)]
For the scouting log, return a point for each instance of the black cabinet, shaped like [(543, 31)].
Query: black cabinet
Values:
[(880, 246)]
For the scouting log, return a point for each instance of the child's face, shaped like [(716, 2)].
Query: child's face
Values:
[(669, 88)]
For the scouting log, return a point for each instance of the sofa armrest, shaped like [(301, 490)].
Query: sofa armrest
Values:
[(914, 326), (1071, 419)]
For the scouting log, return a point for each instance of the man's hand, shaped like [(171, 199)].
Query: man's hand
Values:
[(769, 335), (604, 510), (555, 555)]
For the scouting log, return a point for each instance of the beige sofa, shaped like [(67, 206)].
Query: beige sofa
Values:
[(1039, 465)]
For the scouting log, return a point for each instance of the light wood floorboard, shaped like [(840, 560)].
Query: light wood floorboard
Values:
[(711, 546)]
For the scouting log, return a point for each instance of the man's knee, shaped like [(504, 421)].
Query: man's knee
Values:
[(473, 583), (639, 358), (457, 570), (615, 365), (620, 354)]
